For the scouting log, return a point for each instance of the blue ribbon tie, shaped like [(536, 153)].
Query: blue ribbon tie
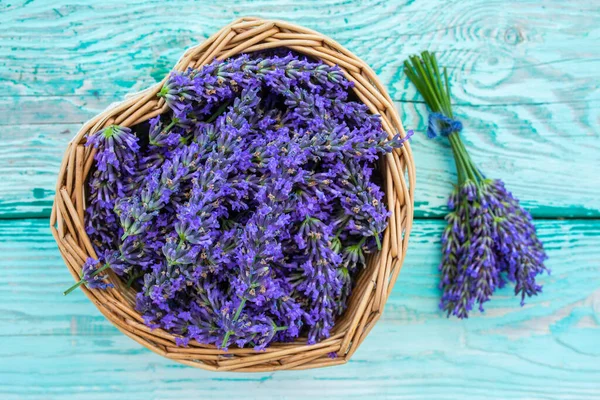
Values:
[(441, 125)]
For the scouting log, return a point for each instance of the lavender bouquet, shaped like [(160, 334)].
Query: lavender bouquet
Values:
[(489, 238), (244, 214)]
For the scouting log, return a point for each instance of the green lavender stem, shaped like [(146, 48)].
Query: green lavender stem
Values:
[(219, 111), (425, 74), (235, 318), (81, 281)]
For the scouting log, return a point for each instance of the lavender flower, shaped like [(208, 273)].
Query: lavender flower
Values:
[(91, 276), (520, 253), (116, 164)]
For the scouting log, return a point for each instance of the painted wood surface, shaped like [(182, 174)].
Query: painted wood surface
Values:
[(525, 77), (526, 82), (62, 347)]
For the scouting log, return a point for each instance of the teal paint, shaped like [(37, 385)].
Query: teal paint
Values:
[(56, 347), (525, 82), (534, 139), (39, 193)]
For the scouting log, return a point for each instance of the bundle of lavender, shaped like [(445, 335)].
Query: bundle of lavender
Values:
[(490, 238)]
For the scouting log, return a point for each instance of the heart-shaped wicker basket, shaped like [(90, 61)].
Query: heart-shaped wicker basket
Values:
[(375, 282)]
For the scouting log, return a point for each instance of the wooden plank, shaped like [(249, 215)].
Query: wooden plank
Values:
[(545, 159), (30, 157), (492, 49), (535, 139), (549, 163), (54, 345)]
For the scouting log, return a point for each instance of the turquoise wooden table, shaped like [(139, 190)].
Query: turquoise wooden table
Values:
[(526, 82)]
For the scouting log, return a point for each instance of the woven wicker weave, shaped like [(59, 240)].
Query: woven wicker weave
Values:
[(376, 281)]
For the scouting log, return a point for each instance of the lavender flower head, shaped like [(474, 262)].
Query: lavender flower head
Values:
[(92, 275), (489, 239)]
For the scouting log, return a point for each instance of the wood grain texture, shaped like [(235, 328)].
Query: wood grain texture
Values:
[(525, 79), (55, 346)]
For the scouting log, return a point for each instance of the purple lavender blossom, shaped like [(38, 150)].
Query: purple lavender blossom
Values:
[(520, 252), (116, 164), (91, 274), (489, 239)]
